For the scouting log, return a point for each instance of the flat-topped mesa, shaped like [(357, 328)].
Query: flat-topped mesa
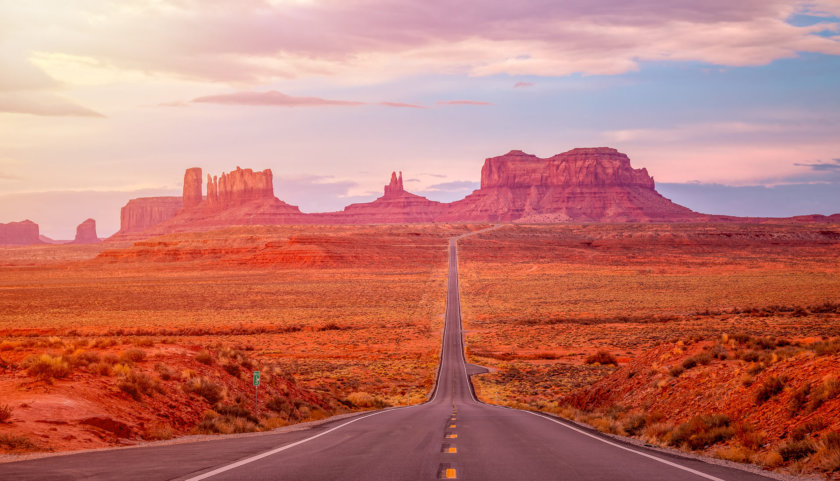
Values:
[(239, 187), (20, 233), (395, 187), (601, 166), (144, 212), (192, 188)]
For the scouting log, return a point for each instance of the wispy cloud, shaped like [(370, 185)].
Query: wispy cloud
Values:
[(402, 105), (272, 98), (520, 85), (44, 104), (462, 102), (832, 166)]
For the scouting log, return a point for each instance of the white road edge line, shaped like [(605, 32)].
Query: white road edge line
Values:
[(655, 458), (282, 448)]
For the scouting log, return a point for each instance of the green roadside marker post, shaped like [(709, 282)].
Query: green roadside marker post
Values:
[(256, 387)]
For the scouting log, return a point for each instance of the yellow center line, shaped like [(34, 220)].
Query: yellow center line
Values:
[(450, 474), (452, 449), (451, 425), (452, 436)]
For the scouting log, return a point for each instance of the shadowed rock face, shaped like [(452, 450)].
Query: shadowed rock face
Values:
[(192, 187), (590, 185), (144, 212), (19, 233), (86, 233)]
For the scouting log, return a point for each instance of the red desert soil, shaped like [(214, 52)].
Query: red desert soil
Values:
[(693, 319), (159, 338)]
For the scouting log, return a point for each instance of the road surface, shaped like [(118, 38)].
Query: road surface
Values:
[(451, 436)]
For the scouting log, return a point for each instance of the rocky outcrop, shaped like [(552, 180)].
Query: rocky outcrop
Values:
[(142, 213), (192, 188), (19, 233), (239, 187), (396, 206), (86, 233), (589, 185)]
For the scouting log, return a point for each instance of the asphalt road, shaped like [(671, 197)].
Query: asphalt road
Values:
[(452, 435)]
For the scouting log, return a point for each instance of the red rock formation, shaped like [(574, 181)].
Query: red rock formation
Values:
[(140, 214), (239, 187), (86, 233), (192, 188), (240, 197), (591, 185), (19, 233), (396, 206)]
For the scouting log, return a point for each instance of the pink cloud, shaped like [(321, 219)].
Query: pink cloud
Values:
[(519, 85), (462, 102), (271, 98), (253, 42), (44, 104), (402, 105)]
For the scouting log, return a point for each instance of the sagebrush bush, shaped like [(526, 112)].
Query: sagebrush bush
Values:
[(770, 388), (797, 449), (205, 388), (14, 442), (702, 431), (204, 357), (5, 412), (47, 367), (133, 355), (601, 357), (137, 384)]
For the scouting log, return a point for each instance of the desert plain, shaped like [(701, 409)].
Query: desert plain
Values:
[(720, 338)]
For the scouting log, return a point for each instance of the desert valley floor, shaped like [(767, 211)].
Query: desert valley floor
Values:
[(718, 338)]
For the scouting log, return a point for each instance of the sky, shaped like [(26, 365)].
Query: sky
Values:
[(732, 106)]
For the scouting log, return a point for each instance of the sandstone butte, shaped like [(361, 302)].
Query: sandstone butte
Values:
[(581, 185), (86, 233), (19, 233)]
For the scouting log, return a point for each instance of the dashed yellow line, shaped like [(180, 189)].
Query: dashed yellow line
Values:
[(450, 474), (452, 436), (451, 425), (452, 450)]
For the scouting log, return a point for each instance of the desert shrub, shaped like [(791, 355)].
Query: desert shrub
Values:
[(205, 388), (47, 367), (232, 369), (279, 405), (104, 342), (719, 352), (13, 442), (736, 453), (601, 357), (756, 368), (164, 371), (741, 338), (100, 368), (796, 449), (143, 342), (703, 358), (748, 356), (110, 359), (829, 389), (676, 371), (361, 399), (634, 424), (770, 388), (749, 437), (689, 363), (81, 357), (702, 431), (7, 345), (159, 432), (204, 357), (137, 384), (5, 412), (133, 355), (826, 348), (799, 399), (235, 411), (213, 423), (804, 430)]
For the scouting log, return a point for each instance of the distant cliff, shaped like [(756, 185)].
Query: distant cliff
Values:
[(19, 233)]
